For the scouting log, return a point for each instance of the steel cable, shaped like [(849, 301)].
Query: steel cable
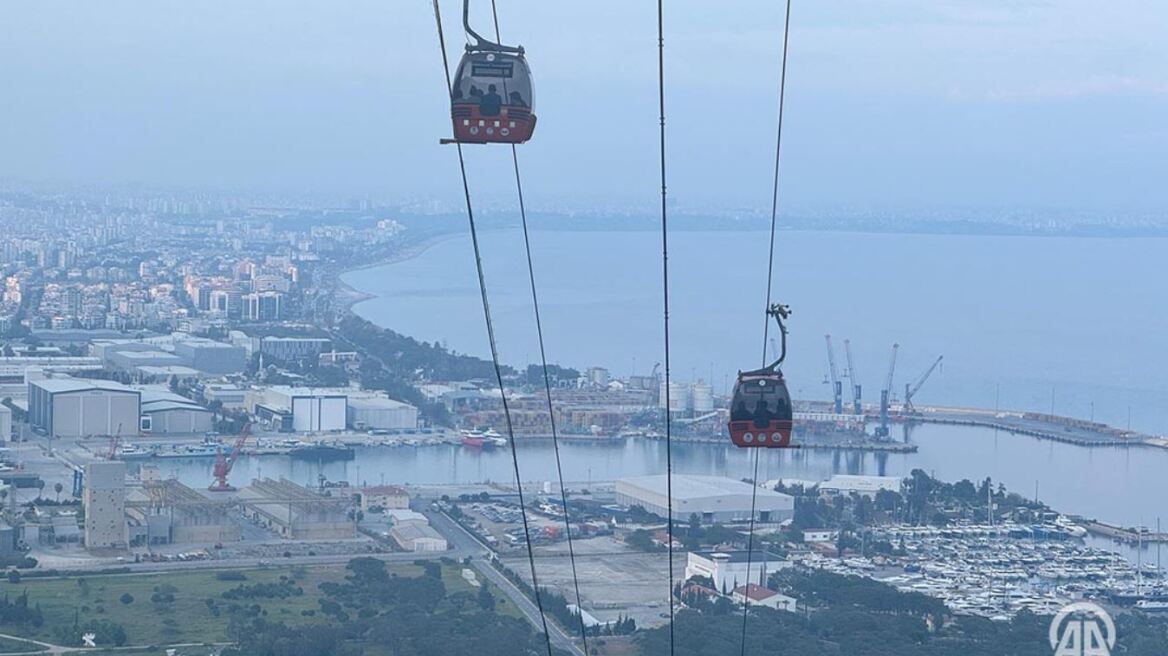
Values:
[(766, 319), (494, 348)]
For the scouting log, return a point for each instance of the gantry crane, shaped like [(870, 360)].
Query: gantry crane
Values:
[(223, 464), (886, 395), (911, 389), (855, 378), (837, 387)]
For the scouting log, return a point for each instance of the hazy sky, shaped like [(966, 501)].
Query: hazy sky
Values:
[(892, 103)]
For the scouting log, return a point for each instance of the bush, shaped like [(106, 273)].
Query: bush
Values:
[(126, 598)]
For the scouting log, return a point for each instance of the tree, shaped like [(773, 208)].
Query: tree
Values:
[(57, 488), (486, 599), (126, 598)]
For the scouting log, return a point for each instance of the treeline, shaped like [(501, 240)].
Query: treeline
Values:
[(411, 616), (420, 359), (276, 590), (18, 612), (860, 617)]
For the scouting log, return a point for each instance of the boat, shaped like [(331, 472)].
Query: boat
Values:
[(189, 452), (133, 452), (323, 452), (474, 439), (1151, 606)]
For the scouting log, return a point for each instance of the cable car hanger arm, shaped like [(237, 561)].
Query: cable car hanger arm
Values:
[(481, 44), (780, 312)]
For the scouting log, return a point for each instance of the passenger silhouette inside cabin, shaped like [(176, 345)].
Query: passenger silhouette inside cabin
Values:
[(516, 99), (784, 409), (740, 412), (491, 103), (762, 414)]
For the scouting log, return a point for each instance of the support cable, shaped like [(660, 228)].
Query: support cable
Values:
[(665, 298), (766, 318), (547, 383), (491, 339)]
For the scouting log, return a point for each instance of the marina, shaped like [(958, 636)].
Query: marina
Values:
[(998, 571)]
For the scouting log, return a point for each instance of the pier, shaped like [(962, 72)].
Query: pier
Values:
[(1128, 535), (1043, 426)]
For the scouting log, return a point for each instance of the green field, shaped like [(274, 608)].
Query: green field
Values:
[(188, 618), (17, 646)]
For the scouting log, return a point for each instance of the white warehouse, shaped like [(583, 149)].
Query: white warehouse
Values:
[(713, 498), (75, 407), (304, 409), (381, 413)]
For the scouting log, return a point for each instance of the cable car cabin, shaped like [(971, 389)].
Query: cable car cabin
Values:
[(491, 101), (760, 412)]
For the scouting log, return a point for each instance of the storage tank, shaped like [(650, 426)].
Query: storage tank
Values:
[(679, 397), (703, 397)]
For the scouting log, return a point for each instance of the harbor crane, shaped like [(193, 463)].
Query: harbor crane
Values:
[(223, 464), (855, 378), (837, 386), (114, 442), (886, 396), (911, 389)]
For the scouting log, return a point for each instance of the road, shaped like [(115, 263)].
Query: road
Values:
[(467, 544)]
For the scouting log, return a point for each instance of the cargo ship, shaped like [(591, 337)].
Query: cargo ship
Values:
[(323, 452)]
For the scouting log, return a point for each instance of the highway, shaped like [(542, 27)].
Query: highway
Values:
[(464, 542)]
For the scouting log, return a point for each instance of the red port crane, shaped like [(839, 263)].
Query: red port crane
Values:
[(223, 464), (114, 441)]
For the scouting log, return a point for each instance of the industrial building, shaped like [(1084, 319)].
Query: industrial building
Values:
[(303, 409), (104, 497), (386, 497), (728, 569), (210, 356), (168, 512), (231, 397), (296, 513), (75, 407), (288, 349), (5, 423), (713, 498), (866, 485), (131, 360), (418, 537), (170, 417), (380, 413)]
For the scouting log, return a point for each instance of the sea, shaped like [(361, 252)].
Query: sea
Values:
[(1071, 325)]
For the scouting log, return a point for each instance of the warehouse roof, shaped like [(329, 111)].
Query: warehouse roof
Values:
[(59, 385), (161, 406), (376, 403), (687, 486)]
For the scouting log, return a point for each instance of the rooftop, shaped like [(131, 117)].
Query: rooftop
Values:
[(743, 556), (58, 385), (689, 486), (754, 592), (374, 402)]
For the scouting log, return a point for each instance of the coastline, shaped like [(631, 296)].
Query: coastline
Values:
[(353, 296)]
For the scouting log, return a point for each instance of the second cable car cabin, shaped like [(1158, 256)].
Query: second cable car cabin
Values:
[(491, 95), (760, 410)]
